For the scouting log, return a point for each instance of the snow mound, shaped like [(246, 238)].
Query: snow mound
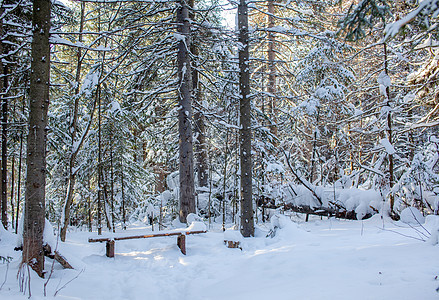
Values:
[(283, 228), (412, 215), (49, 237), (233, 235), (6, 237), (363, 202), (193, 218), (48, 234), (197, 226), (280, 221), (432, 223)]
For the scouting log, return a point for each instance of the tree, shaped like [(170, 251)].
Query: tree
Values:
[(184, 89), (34, 217), (247, 222), (75, 146), (4, 139)]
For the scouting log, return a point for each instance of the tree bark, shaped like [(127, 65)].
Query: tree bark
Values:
[(20, 162), (272, 70), (199, 129), (73, 131), (389, 137), (199, 126), (247, 220), (186, 170), (34, 216), (4, 162)]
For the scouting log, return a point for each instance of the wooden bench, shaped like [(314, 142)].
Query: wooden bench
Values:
[(110, 241)]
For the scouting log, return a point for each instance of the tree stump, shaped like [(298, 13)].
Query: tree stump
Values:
[(181, 243), (110, 248), (233, 244)]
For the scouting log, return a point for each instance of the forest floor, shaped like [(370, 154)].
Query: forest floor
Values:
[(320, 259)]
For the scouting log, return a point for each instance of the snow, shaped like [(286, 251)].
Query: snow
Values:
[(389, 148), (233, 235), (179, 37), (361, 201), (49, 236), (432, 223), (330, 258), (115, 107), (197, 226), (424, 7), (411, 215), (384, 82)]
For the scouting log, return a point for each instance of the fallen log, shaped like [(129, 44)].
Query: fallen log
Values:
[(52, 255), (324, 211)]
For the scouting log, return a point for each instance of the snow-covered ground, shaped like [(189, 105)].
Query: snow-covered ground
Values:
[(321, 259)]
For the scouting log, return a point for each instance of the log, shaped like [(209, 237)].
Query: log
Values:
[(63, 262), (56, 256), (110, 242), (324, 211), (106, 239)]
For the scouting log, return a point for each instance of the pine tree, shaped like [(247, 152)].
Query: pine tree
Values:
[(247, 221), (187, 188), (34, 218)]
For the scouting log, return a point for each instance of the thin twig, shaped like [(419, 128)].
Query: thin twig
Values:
[(56, 292), (6, 275), (53, 263), (408, 236)]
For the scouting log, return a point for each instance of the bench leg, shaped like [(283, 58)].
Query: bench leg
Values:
[(181, 243), (110, 248)]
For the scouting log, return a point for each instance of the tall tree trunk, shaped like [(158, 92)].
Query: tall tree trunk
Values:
[(73, 131), (314, 148), (199, 129), (272, 69), (12, 191), (20, 162), (247, 220), (389, 137), (201, 149), (34, 216), (4, 166), (187, 190), (98, 97), (89, 218), (199, 126), (112, 185), (4, 163), (101, 204), (123, 195)]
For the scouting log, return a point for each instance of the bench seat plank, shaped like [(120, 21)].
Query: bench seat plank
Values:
[(110, 241)]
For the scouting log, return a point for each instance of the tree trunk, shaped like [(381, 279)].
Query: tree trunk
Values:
[(272, 70), (200, 149), (247, 221), (112, 185), (34, 216), (199, 130), (73, 131), (4, 163), (199, 126), (20, 162), (187, 195), (389, 137), (123, 196), (12, 192)]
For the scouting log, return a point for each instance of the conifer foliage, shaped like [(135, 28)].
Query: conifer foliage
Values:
[(158, 110)]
